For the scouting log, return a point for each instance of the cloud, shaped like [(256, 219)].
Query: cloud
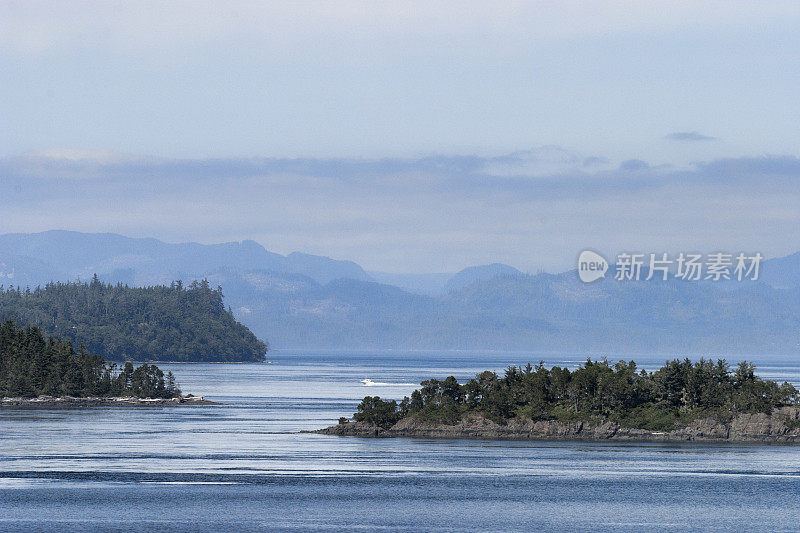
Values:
[(533, 209), (633, 165), (165, 27), (594, 161), (542, 161), (689, 136), (753, 166), (72, 154)]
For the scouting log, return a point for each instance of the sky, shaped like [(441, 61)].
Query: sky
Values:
[(409, 137)]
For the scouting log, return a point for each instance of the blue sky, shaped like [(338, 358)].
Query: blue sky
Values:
[(613, 106)]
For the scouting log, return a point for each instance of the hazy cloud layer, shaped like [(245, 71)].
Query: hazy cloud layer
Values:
[(147, 25), (535, 209), (689, 136)]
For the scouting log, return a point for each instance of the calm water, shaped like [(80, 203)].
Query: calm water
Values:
[(244, 465)]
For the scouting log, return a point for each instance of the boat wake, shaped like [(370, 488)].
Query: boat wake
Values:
[(370, 383)]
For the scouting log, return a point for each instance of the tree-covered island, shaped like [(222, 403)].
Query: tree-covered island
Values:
[(32, 366), (120, 323), (683, 400)]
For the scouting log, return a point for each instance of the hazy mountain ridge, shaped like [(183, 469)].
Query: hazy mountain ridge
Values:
[(474, 274), (427, 284), (541, 312), (302, 301), (783, 272), (149, 261)]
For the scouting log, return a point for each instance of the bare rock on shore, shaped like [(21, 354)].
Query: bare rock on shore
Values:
[(782, 426), (68, 402)]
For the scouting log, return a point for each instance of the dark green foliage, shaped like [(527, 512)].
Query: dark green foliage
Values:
[(674, 395), (373, 410), (32, 366), (141, 324)]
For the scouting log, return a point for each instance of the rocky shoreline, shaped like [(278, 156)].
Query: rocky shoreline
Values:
[(69, 402), (782, 426)]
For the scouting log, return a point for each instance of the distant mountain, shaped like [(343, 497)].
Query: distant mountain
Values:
[(470, 275), (428, 284), (782, 272), (31, 259), (319, 268), (539, 313), (301, 301), (438, 284)]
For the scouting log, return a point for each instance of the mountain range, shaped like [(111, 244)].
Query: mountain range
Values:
[(307, 301)]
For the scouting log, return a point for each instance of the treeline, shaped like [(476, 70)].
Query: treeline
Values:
[(120, 323), (31, 365), (674, 395)]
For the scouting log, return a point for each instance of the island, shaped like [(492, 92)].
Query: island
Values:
[(174, 323), (47, 372), (684, 401)]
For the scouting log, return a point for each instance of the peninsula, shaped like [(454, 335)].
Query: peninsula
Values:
[(47, 372), (120, 323), (704, 401)]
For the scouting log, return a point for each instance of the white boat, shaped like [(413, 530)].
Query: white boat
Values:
[(367, 382)]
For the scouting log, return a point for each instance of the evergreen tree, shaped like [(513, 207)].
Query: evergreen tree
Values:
[(678, 392), (31, 365)]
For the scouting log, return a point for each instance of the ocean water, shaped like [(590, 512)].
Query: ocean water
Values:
[(245, 466)]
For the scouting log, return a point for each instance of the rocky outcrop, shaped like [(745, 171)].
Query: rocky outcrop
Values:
[(69, 402), (781, 426)]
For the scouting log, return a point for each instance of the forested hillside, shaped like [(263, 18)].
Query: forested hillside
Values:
[(121, 323), (31, 365)]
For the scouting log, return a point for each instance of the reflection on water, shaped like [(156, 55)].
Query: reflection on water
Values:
[(244, 465)]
